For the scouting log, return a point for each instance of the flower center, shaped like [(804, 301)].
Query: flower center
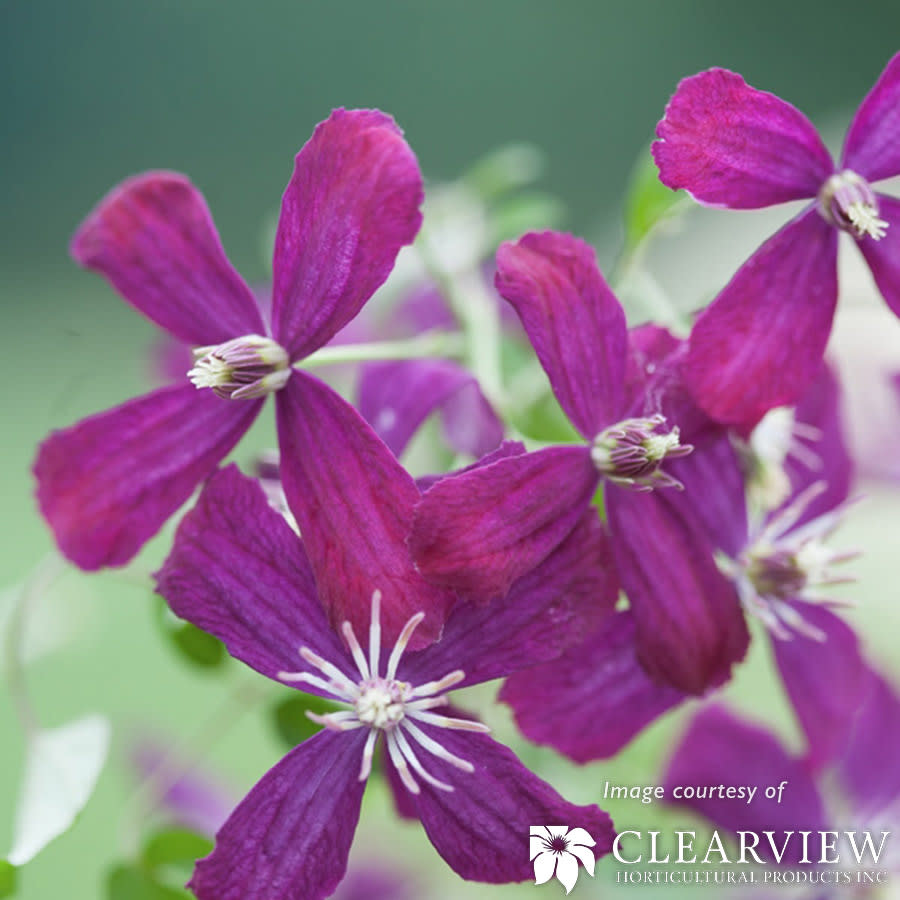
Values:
[(244, 368), (784, 563), (632, 452), (848, 202), (386, 705)]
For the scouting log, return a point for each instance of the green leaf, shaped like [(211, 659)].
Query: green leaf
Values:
[(292, 723), (62, 766), (529, 211), (7, 878), (196, 646), (647, 201), (175, 846), (128, 882)]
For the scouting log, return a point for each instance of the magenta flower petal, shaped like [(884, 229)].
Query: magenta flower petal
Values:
[(238, 571), (544, 612), (760, 343), (883, 256), (690, 626), (574, 321), (290, 836), (590, 703), (871, 148), (481, 829), (107, 484), (477, 532), (354, 504), (351, 204), (825, 457), (729, 144), (396, 397), (869, 770), (721, 749), (824, 707), (154, 240)]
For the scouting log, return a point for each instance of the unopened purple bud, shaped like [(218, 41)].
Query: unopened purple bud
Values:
[(631, 453), (847, 201), (244, 368)]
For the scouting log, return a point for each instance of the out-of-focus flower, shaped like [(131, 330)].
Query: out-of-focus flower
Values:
[(856, 789), (238, 571), (108, 483), (759, 344), (190, 797)]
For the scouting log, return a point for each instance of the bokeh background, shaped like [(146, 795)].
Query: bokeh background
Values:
[(94, 90)]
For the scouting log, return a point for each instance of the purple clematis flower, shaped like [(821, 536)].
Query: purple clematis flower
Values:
[(481, 530), (857, 788), (602, 694), (107, 484), (759, 344), (299, 612)]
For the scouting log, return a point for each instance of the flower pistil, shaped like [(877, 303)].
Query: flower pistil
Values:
[(847, 201)]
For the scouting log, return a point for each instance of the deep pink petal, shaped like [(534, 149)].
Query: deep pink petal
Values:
[(592, 702), (759, 345), (481, 827), (351, 204), (154, 239), (574, 321), (544, 612), (396, 397), (721, 749), (505, 450), (354, 504), (690, 627), (729, 144), (477, 532), (107, 484), (238, 571), (883, 256), (290, 836), (823, 706), (871, 148), (824, 457), (869, 770)]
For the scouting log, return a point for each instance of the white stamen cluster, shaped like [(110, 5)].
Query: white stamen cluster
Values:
[(781, 565), (848, 202), (385, 705), (244, 368)]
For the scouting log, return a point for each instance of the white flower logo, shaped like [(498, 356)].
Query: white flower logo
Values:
[(556, 850)]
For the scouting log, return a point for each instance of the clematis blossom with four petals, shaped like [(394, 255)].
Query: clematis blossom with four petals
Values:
[(108, 483), (345, 614), (760, 343)]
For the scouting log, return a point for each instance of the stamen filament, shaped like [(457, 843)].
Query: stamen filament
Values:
[(400, 646), (445, 722), (433, 747), (407, 750), (375, 633), (400, 764), (365, 769), (356, 651), (433, 687), (329, 669)]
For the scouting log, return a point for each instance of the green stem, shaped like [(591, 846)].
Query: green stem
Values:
[(428, 345)]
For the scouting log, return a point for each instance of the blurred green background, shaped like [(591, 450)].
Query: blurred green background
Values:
[(94, 90)]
